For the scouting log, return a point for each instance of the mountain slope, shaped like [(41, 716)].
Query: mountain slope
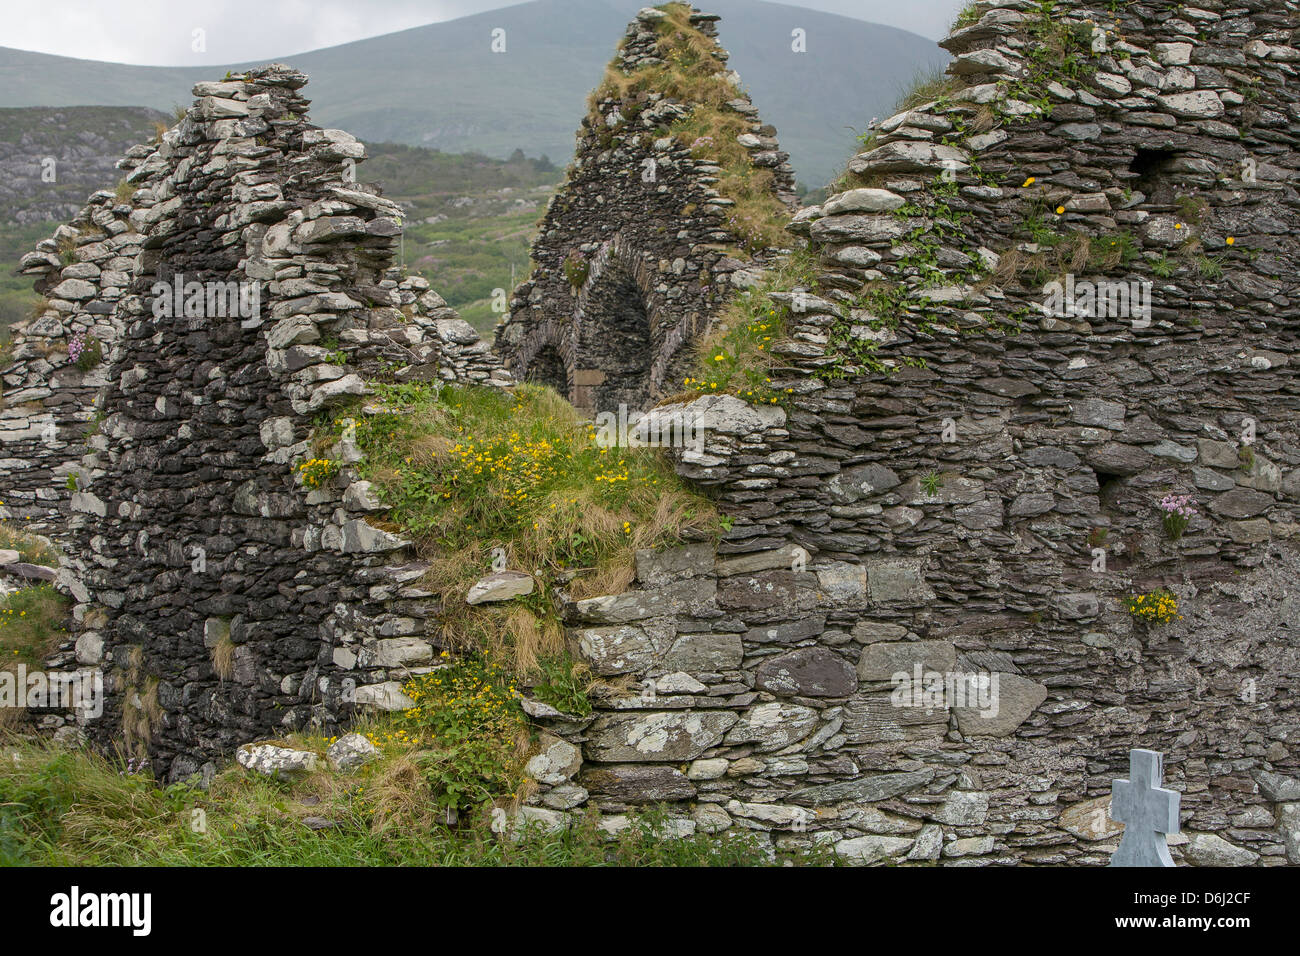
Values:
[(52, 159), (442, 86)]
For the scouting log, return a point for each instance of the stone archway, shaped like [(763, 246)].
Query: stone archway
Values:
[(614, 329), (549, 368)]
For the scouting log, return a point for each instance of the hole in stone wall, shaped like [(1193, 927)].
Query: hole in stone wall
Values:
[(616, 341), (547, 368), (1108, 486), (1152, 168)]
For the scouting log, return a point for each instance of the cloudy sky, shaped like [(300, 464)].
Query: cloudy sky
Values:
[(161, 32)]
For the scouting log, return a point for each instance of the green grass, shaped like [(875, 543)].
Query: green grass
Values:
[(32, 622), (70, 808), (692, 73), (478, 478), (31, 548), (736, 356)]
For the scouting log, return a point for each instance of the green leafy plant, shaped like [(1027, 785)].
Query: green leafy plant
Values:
[(467, 714), (576, 270), (1210, 267), (563, 684), (1164, 267), (931, 482)]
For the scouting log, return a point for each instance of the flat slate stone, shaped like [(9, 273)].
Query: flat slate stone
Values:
[(807, 672), (29, 572), (882, 661), (656, 737), (1014, 698), (501, 586), (866, 789), (638, 784), (773, 726)]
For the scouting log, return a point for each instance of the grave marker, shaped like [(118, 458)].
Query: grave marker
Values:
[(1148, 811)]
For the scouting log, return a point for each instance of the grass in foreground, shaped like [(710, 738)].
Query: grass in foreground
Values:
[(72, 808)]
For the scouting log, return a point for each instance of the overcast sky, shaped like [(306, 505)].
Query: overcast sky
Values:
[(161, 32)]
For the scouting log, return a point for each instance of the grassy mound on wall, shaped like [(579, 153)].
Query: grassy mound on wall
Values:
[(692, 73)]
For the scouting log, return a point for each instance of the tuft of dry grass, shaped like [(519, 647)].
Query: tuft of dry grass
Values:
[(223, 658)]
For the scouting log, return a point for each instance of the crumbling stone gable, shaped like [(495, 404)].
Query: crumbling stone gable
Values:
[(954, 460), (223, 593), (82, 272), (637, 250)]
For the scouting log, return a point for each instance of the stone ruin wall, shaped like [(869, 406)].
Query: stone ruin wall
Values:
[(191, 531), (763, 669), (82, 272), (763, 665), (659, 251)]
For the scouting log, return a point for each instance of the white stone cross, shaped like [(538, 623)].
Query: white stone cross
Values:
[(1148, 811)]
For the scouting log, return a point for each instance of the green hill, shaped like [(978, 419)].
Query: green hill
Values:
[(441, 86)]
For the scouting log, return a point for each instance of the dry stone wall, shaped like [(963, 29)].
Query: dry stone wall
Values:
[(638, 248), (225, 591), (58, 359), (913, 643)]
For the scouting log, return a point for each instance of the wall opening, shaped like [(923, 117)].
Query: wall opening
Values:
[(616, 343), (1108, 486), (1152, 167), (547, 368)]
